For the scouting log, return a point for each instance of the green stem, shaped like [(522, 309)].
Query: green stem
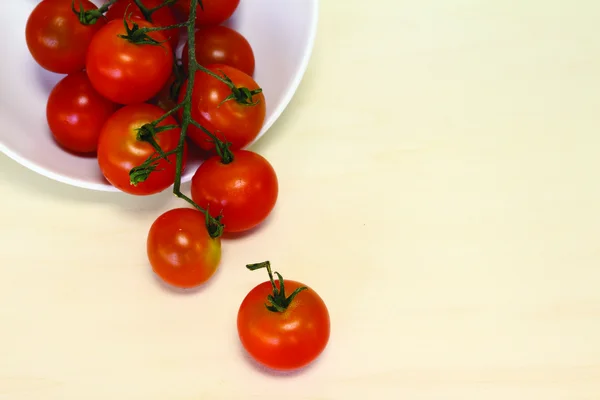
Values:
[(278, 301), (222, 148), (90, 17), (214, 225), (165, 4), (144, 10), (168, 114)]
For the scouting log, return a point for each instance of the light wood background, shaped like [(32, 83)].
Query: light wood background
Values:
[(439, 188)]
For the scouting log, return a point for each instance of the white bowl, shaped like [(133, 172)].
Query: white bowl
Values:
[(281, 33)]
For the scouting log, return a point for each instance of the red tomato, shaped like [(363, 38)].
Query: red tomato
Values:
[(162, 17), (230, 121), (125, 72), (119, 150), (215, 11), (55, 37), (244, 190), (288, 336), (76, 112), (221, 45), (180, 250)]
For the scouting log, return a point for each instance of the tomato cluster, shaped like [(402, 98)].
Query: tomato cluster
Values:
[(128, 99)]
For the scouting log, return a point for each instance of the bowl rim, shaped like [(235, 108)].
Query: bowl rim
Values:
[(277, 112)]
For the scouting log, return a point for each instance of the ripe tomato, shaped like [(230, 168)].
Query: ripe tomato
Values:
[(244, 190), (125, 72), (119, 150), (76, 113), (162, 17), (180, 250), (221, 45), (55, 37), (230, 121), (215, 11), (291, 331)]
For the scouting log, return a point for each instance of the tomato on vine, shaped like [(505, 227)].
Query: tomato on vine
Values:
[(58, 38), (212, 12), (162, 17), (129, 61), (180, 249), (126, 141), (76, 112), (222, 45), (233, 115), (242, 186), (283, 332)]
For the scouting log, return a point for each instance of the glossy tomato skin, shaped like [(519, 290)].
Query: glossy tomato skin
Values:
[(124, 72), (119, 150), (245, 190), (222, 45), (76, 112), (162, 17), (56, 39), (233, 122), (180, 250), (283, 340), (215, 11)]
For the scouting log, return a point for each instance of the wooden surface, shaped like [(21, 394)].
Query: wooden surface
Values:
[(439, 189)]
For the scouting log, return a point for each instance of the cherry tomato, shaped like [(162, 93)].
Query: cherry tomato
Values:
[(284, 332), (230, 121), (76, 112), (244, 190), (55, 37), (125, 72), (119, 150), (161, 17), (221, 45), (180, 250), (215, 12)]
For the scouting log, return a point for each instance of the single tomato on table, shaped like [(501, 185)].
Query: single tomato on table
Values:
[(161, 17), (180, 249), (243, 188), (125, 71), (281, 331), (119, 149), (56, 37), (237, 120), (221, 45), (76, 112), (212, 12)]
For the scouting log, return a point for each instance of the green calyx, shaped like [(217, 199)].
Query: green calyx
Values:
[(90, 17), (277, 301), (137, 35)]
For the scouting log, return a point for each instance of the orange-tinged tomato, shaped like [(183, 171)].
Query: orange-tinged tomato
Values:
[(180, 249)]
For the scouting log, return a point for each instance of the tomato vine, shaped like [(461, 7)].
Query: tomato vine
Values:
[(148, 132)]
